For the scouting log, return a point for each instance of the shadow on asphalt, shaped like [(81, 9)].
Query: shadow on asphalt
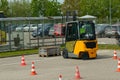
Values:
[(103, 56), (98, 57)]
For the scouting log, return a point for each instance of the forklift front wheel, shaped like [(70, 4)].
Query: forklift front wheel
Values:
[(85, 56), (65, 54)]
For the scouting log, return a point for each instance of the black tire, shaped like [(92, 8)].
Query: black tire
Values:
[(85, 56), (65, 54)]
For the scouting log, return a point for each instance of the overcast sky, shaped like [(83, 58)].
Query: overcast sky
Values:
[(61, 1)]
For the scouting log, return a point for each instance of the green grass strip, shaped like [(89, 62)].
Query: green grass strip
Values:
[(35, 51), (109, 46), (18, 53)]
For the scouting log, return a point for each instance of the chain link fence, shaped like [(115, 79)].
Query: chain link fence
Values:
[(17, 33)]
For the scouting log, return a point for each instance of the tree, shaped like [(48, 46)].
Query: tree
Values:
[(4, 6), (70, 5), (45, 8), (53, 9), (98, 8), (35, 8), (20, 8)]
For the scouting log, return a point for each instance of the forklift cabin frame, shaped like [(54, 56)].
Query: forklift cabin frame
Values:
[(77, 44)]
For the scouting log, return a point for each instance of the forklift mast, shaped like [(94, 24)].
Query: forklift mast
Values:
[(69, 13)]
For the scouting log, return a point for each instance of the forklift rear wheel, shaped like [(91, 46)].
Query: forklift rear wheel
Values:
[(65, 54), (85, 56)]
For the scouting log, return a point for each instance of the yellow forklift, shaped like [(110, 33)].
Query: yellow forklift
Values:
[(80, 40)]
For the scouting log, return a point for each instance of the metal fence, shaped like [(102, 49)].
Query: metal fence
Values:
[(14, 37)]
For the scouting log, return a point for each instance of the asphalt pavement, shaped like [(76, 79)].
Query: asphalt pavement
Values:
[(49, 68)]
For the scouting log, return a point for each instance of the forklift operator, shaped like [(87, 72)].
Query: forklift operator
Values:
[(82, 31)]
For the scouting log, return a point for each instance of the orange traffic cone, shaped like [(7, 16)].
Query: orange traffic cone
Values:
[(115, 55), (118, 69), (33, 72), (60, 77), (77, 74), (23, 61)]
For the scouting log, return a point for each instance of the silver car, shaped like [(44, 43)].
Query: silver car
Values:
[(51, 31), (112, 30), (100, 30), (20, 27), (30, 27)]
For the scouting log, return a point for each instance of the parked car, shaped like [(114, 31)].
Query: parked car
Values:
[(30, 27), (20, 27), (42, 31), (57, 30), (112, 30), (100, 30), (11, 27), (51, 32)]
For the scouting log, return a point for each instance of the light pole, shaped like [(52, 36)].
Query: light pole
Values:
[(62, 17), (62, 27), (110, 14)]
